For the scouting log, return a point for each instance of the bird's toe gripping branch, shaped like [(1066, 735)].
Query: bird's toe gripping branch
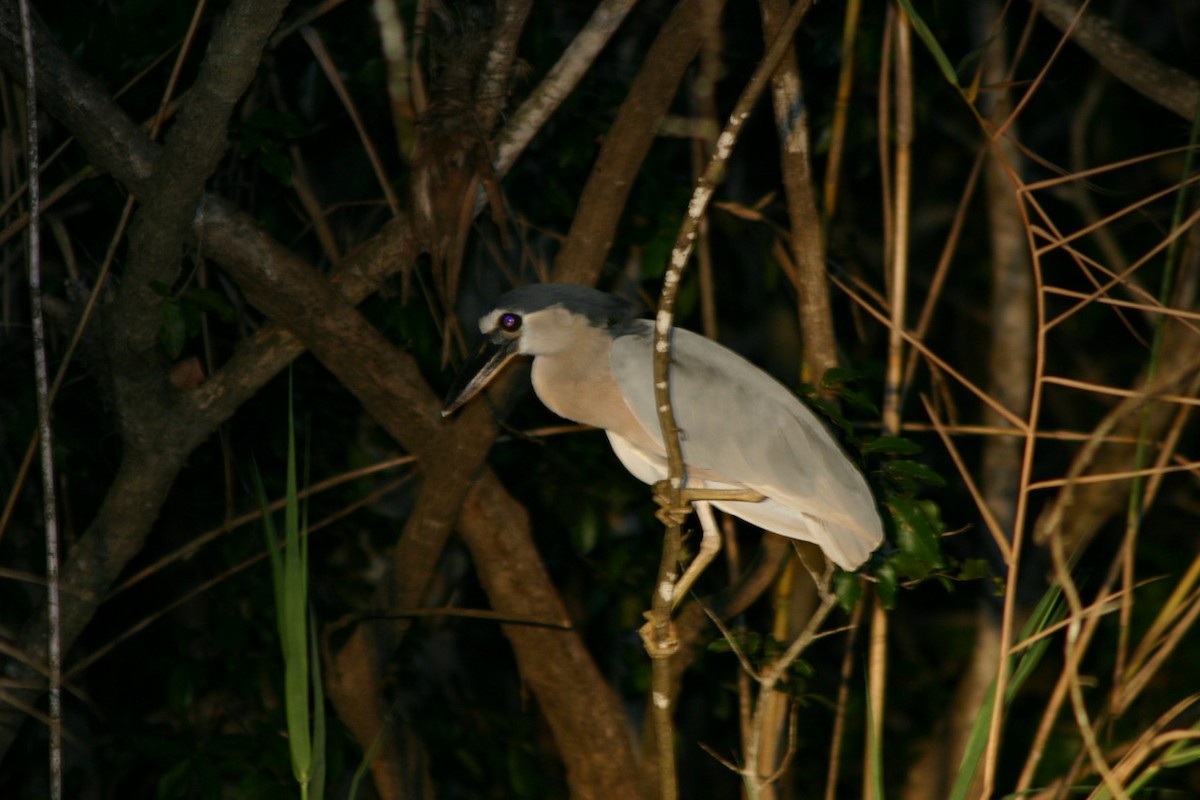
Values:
[(675, 503)]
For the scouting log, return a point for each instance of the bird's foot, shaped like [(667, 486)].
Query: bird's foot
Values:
[(673, 508), (659, 639)]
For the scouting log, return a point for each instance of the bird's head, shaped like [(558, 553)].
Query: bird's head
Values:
[(538, 320)]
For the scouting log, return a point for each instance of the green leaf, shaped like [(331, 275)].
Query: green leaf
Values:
[(931, 44), (304, 701), (847, 588), (918, 526), (208, 300), (191, 318), (173, 333), (834, 377), (975, 569), (885, 585), (837, 380), (913, 471), (585, 533), (751, 643), (1048, 612), (831, 412), (317, 788), (277, 163), (859, 400), (892, 445)]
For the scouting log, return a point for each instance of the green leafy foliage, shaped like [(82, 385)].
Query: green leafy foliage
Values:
[(847, 587), (182, 314), (1048, 611), (191, 702), (916, 525), (265, 136)]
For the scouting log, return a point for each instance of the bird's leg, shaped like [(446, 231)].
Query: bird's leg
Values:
[(710, 545)]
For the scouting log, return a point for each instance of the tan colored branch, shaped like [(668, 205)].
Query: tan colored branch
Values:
[(806, 236)]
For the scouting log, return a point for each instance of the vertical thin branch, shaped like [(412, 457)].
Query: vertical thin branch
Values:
[(841, 107), (843, 697), (173, 80), (395, 52), (898, 201), (806, 231), (898, 274), (661, 645), (675, 507), (41, 373), (877, 663), (685, 241)]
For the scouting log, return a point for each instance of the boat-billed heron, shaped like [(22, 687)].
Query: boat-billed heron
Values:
[(740, 428)]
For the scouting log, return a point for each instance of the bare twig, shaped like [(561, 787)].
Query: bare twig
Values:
[(1072, 656), (841, 108), (897, 200), (41, 372), (541, 103), (392, 37), (313, 39), (843, 696)]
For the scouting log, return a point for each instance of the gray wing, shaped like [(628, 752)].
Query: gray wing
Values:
[(742, 427)]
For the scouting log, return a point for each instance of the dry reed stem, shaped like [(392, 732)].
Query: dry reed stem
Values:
[(998, 535), (313, 39)]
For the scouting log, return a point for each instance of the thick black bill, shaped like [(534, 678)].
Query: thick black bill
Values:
[(481, 366)]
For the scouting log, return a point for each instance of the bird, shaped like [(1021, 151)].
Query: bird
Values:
[(740, 428)]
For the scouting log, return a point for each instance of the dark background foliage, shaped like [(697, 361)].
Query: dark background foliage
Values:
[(172, 668)]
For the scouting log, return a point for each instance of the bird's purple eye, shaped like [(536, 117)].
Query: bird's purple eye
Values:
[(510, 322)]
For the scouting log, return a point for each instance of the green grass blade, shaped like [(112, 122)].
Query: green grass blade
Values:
[(931, 44), (1048, 611), (295, 613), (304, 699), (271, 536), (318, 700), (360, 772)]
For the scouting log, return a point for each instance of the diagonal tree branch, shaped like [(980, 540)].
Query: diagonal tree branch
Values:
[(162, 226), (591, 718), (629, 139), (390, 386), (562, 79), (1171, 88), (582, 710)]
